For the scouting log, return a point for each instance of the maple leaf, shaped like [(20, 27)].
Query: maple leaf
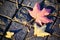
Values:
[(40, 15), (9, 34), (40, 31)]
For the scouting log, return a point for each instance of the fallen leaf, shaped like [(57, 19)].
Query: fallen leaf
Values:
[(9, 34), (40, 15), (40, 31)]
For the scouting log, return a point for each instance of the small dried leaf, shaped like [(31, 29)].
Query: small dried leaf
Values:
[(9, 34), (40, 31)]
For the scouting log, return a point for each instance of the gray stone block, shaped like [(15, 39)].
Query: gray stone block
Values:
[(19, 30), (8, 9)]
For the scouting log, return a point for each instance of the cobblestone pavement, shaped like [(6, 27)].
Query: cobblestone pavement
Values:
[(7, 17)]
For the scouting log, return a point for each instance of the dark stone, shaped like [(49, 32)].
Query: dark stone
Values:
[(8, 9), (3, 23), (23, 15), (19, 31)]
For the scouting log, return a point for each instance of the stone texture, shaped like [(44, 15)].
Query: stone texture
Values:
[(20, 30), (23, 15), (8, 9), (3, 23), (56, 27), (31, 2)]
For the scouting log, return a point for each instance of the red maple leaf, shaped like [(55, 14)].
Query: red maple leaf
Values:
[(40, 15)]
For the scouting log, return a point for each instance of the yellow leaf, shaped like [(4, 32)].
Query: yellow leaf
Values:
[(9, 34), (40, 31)]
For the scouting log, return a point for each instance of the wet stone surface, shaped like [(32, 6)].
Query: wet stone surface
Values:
[(23, 15), (56, 27), (31, 2), (53, 38), (8, 9), (3, 23), (21, 35), (20, 31), (16, 26)]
